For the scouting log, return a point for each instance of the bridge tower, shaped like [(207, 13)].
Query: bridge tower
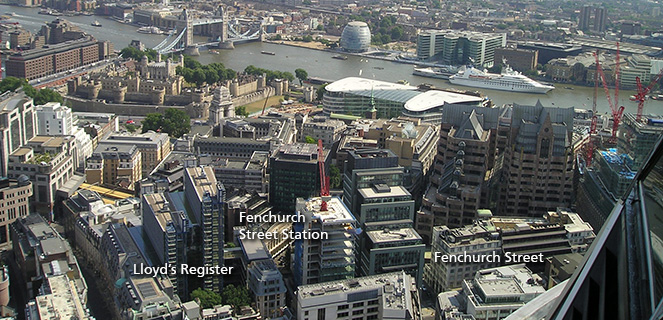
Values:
[(223, 33), (185, 21)]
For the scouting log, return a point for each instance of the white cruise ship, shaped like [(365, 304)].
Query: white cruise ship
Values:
[(509, 80), (149, 30)]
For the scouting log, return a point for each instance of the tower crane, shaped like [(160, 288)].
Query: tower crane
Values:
[(592, 127), (641, 95), (324, 179), (617, 111)]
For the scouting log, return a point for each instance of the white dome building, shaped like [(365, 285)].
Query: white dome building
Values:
[(356, 37)]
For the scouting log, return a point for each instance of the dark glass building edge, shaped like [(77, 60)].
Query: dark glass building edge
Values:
[(621, 276)]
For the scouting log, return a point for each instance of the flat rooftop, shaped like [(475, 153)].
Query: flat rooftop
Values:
[(62, 303), (383, 191), (336, 210), (393, 287), (159, 205), (403, 234), (204, 181), (507, 281)]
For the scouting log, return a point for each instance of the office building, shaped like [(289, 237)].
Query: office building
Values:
[(538, 160), (493, 293), (60, 298), (39, 253), (294, 174), (318, 259), (592, 19), (14, 203), (359, 96), (169, 231), (54, 119), (114, 165), (19, 125), (415, 144), (323, 128), (561, 267), (49, 162), (479, 239), (392, 249), (206, 198), (636, 139), (386, 296), (366, 167), (267, 286), (249, 175), (356, 37), (519, 59), (548, 51), (457, 47), (462, 175), (154, 147), (148, 297)]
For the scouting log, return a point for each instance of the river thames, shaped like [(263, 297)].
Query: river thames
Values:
[(321, 64)]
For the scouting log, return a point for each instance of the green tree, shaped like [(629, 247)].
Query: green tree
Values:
[(334, 177), (320, 92), (236, 296), (307, 38), (175, 122), (199, 76), (320, 27), (208, 298), (396, 33), (47, 95), (12, 83), (310, 139), (241, 111), (131, 127), (301, 74)]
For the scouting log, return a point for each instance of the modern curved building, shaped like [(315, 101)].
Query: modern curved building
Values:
[(356, 96), (356, 37)]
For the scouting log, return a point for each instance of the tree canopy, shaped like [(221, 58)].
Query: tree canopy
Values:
[(208, 298), (40, 97), (133, 53), (271, 75), (301, 74), (194, 72), (236, 296), (175, 122)]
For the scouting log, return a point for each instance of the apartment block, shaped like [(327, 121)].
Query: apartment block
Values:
[(386, 296), (321, 260), (268, 287), (206, 198)]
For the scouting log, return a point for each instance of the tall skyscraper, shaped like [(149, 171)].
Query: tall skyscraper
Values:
[(206, 197), (592, 19)]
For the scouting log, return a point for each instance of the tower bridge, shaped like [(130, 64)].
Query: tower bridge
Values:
[(223, 32)]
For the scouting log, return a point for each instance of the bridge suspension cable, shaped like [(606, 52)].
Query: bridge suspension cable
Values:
[(165, 41), (172, 44)]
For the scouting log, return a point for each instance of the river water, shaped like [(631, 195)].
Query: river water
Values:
[(320, 63)]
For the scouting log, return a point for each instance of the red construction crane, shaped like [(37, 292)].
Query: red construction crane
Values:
[(617, 111), (642, 93), (324, 179), (592, 127)]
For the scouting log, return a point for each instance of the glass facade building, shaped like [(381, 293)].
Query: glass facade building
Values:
[(356, 37)]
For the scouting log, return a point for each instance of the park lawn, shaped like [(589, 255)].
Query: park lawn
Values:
[(257, 106)]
